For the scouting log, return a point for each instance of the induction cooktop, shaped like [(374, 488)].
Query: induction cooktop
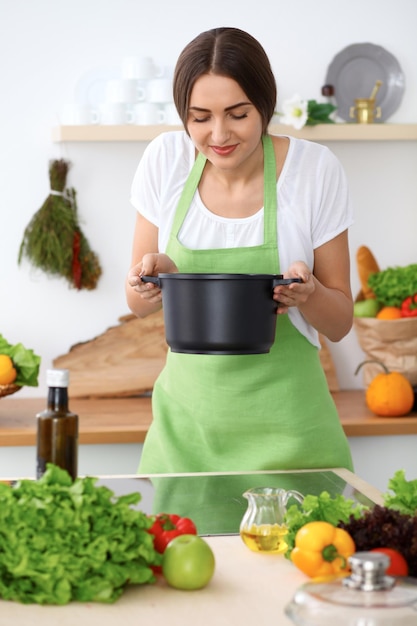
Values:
[(215, 502)]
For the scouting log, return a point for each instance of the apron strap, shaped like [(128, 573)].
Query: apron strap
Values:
[(270, 191), (187, 194)]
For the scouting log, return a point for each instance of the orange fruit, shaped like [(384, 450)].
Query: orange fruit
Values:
[(7, 370), (389, 313)]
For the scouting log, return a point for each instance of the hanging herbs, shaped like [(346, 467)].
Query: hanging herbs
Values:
[(53, 240)]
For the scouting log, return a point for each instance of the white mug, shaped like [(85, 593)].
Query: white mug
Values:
[(148, 114), (141, 68), (160, 90), (127, 90), (115, 114), (78, 115)]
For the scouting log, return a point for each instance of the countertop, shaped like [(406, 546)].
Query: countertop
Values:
[(247, 588), (126, 420)]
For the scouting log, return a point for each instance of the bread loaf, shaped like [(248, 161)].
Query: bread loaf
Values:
[(367, 265)]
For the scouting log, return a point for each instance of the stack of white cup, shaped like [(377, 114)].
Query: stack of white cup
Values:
[(120, 96), (124, 93), (154, 104), (141, 94), (78, 114)]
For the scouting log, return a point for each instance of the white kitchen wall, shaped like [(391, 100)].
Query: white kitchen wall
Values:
[(48, 46)]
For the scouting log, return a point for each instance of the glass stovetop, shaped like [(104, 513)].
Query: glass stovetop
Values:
[(215, 502)]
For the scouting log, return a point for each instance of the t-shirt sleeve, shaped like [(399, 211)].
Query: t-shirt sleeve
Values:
[(334, 212), (146, 186)]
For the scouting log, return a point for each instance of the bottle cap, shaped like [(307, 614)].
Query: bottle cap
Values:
[(57, 378)]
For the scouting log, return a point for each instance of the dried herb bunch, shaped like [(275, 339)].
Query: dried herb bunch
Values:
[(53, 240)]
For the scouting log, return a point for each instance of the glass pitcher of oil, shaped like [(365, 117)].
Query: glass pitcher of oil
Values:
[(262, 527)]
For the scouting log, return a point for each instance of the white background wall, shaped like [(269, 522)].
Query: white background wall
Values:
[(48, 46)]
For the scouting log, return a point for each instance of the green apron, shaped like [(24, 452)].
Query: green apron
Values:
[(242, 412)]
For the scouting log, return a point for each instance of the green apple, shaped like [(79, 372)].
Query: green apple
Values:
[(188, 562), (366, 308)]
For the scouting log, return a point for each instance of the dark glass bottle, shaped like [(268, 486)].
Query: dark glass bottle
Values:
[(57, 428), (328, 92)]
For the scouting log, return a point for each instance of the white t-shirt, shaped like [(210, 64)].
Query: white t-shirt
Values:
[(313, 205)]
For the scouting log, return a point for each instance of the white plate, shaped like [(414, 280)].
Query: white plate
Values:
[(91, 86), (354, 72)]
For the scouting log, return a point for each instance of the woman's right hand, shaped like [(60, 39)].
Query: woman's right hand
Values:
[(152, 264)]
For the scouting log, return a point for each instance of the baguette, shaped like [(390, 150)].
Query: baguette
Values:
[(367, 265)]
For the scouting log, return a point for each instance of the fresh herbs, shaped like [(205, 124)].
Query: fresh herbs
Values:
[(323, 508), (62, 540), (25, 361), (404, 498), (393, 285)]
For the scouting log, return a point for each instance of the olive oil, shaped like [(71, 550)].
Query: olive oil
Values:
[(57, 428), (265, 538)]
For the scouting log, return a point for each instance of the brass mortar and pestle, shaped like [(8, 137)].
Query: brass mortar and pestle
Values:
[(365, 110)]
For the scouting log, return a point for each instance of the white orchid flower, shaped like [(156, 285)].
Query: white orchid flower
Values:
[(294, 112)]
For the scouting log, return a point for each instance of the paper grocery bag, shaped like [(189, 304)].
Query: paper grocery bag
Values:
[(394, 342)]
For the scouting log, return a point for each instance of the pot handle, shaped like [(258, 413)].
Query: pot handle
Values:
[(151, 279), (286, 281)]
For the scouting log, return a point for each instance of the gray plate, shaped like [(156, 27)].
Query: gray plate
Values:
[(353, 73)]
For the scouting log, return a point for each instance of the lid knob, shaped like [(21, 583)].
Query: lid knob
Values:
[(368, 572)]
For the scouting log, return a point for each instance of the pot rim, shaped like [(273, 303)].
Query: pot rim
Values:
[(202, 275)]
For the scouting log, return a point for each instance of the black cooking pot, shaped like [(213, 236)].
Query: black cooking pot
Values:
[(219, 313)]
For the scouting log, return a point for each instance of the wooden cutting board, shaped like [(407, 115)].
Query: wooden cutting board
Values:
[(126, 360)]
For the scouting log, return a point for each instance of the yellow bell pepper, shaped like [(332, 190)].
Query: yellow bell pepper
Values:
[(322, 550)]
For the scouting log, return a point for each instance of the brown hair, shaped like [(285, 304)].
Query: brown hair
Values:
[(227, 52)]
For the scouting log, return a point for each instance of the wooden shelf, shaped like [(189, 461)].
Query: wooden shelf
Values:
[(322, 132)]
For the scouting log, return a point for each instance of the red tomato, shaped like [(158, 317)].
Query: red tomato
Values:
[(398, 565)]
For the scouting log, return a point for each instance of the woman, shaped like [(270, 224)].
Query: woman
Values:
[(226, 197)]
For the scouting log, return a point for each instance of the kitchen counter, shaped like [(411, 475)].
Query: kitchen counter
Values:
[(126, 420), (247, 588)]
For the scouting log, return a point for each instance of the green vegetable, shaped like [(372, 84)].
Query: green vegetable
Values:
[(385, 527), (63, 540), (319, 112), (324, 508), (25, 361), (393, 285), (404, 498)]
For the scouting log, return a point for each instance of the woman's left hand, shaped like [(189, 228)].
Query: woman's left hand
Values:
[(295, 293)]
